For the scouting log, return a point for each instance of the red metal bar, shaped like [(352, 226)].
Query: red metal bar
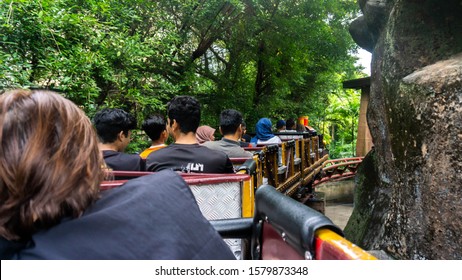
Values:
[(190, 178)]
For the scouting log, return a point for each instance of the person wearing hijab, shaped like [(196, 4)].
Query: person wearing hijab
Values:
[(264, 134), (205, 133)]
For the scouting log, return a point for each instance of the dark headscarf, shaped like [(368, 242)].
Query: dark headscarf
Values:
[(263, 130)]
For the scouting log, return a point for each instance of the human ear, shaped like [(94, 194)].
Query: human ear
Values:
[(164, 135), (174, 125), (121, 136), (240, 130)]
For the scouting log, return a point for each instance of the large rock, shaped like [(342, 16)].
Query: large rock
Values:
[(366, 29), (410, 194)]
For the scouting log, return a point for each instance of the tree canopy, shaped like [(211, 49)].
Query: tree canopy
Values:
[(265, 58)]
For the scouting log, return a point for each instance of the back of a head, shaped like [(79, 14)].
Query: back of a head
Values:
[(230, 120), (290, 124), (110, 122), (264, 125), (186, 111), (154, 126), (280, 124), (50, 165), (300, 127), (263, 129)]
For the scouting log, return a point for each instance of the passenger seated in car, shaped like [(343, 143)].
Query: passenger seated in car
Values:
[(113, 127), (244, 141), (205, 133), (280, 125), (246, 138), (184, 114), (290, 127), (156, 128), (264, 134), (231, 128), (51, 206)]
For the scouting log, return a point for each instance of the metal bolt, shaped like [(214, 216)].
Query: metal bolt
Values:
[(308, 256), (283, 235)]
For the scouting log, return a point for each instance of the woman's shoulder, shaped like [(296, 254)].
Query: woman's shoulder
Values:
[(272, 140), (148, 212)]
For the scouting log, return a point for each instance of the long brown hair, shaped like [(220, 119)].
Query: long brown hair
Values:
[(50, 166)]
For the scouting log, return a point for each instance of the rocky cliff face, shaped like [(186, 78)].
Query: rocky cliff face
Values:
[(409, 198)]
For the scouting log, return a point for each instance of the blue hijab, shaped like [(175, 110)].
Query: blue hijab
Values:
[(263, 130)]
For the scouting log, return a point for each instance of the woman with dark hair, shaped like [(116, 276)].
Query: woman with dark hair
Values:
[(51, 206)]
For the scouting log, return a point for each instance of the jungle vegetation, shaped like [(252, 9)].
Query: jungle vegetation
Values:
[(265, 58)]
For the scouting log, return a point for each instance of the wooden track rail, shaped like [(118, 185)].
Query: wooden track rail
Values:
[(339, 169)]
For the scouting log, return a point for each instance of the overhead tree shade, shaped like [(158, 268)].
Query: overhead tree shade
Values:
[(265, 58)]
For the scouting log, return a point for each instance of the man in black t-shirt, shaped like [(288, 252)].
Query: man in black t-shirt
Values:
[(186, 154), (113, 127)]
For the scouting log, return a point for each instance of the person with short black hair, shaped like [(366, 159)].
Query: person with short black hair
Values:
[(156, 128), (231, 129), (280, 125), (290, 124), (186, 154), (113, 127), (245, 138)]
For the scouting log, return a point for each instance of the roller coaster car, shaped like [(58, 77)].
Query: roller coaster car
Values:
[(269, 225), (284, 173), (219, 196), (251, 166), (280, 227), (283, 228), (291, 168)]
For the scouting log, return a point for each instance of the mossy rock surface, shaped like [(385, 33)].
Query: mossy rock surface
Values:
[(409, 192)]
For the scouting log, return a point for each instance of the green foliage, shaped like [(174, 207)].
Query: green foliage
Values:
[(266, 58), (140, 141), (339, 123)]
